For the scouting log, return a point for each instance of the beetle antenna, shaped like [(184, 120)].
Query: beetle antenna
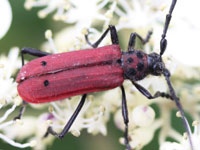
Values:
[(166, 73), (163, 41), (178, 104)]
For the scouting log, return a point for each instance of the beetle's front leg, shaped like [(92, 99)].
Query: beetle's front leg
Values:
[(22, 110), (69, 123), (148, 94), (131, 44), (113, 34)]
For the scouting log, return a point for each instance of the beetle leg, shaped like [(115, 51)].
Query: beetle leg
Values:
[(131, 43), (125, 117), (69, 123), (22, 110), (172, 97), (113, 33), (148, 94), (33, 52), (98, 41), (133, 36)]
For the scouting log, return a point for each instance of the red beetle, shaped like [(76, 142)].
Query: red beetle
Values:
[(57, 76)]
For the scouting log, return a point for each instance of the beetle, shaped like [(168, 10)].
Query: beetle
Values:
[(57, 76)]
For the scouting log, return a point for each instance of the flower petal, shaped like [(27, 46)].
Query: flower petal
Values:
[(5, 17)]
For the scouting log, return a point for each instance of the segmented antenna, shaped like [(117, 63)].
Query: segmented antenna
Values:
[(178, 104), (166, 73), (163, 41)]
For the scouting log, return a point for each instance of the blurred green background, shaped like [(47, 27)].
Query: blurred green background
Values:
[(28, 30)]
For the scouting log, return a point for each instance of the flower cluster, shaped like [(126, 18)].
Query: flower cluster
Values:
[(183, 141), (128, 16), (9, 102)]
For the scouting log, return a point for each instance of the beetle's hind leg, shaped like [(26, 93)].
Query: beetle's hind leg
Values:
[(33, 52), (22, 110), (69, 123), (125, 117), (131, 44), (113, 33)]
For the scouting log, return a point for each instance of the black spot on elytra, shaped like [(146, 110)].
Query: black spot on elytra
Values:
[(131, 72), (44, 63), (46, 83), (139, 55), (140, 66), (129, 60)]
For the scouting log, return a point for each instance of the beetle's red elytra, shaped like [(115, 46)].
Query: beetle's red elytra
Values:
[(57, 76), (71, 73)]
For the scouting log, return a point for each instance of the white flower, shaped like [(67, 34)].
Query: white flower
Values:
[(9, 100), (183, 143), (8, 67), (143, 115), (75, 11), (139, 14), (60, 5), (5, 17)]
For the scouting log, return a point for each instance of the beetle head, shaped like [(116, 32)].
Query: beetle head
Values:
[(155, 64)]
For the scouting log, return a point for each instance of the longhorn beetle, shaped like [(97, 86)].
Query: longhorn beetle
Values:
[(56, 76)]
